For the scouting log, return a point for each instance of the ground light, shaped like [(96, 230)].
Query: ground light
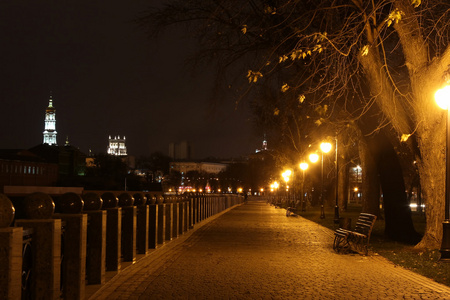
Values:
[(442, 97)]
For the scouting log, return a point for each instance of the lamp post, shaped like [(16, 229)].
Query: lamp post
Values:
[(336, 206), (442, 97), (325, 148), (286, 178), (303, 166)]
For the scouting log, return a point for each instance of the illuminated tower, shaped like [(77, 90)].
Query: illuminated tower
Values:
[(50, 124), (264, 145), (117, 146)]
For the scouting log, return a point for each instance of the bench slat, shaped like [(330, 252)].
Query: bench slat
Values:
[(359, 237)]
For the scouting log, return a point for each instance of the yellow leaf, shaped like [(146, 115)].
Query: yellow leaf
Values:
[(405, 137), (285, 87), (244, 29), (318, 122), (416, 3), (365, 50), (301, 98), (253, 76), (276, 112)]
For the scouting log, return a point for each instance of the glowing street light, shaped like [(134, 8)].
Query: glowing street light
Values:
[(314, 158), (325, 147), (442, 98)]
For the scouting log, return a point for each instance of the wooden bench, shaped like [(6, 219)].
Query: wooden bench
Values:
[(290, 211), (356, 240)]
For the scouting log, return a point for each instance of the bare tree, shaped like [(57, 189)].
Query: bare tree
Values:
[(374, 63)]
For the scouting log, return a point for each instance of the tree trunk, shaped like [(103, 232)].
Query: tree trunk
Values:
[(343, 184), (397, 212), (370, 181), (432, 180), (398, 219)]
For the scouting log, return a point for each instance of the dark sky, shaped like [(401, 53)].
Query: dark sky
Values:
[(107, 78)]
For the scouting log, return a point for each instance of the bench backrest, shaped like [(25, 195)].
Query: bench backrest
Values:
[(364, 224)]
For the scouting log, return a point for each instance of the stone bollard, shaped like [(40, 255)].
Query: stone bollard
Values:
[(46, 245), (175, 217), (191, 211), (126, 201), (70, 206), (140, 201), (195, 205), (202, 208), (113, 231), (161, 220), (152, 222), (96, 239), (169, 218), (181, 215), (10, 252)]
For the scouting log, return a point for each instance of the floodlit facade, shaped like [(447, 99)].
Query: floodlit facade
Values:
[(50, 124), (208, 167), (117, 146)]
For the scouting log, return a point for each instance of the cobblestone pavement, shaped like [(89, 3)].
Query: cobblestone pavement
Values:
[(255, 252)]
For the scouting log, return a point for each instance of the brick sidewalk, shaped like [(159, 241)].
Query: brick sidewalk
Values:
[(255, 252)]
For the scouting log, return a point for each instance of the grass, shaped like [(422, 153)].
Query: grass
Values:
[(422, 262)]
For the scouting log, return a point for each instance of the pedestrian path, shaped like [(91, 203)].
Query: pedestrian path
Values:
[(254, 251)]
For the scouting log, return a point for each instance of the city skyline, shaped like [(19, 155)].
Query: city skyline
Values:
[(106, 77)]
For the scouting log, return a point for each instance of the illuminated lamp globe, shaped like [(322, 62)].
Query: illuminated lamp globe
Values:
[(442, 97), (314, 158), (304, 166), (325, 147)]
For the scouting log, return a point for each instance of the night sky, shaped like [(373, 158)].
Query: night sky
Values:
[(107, 78)]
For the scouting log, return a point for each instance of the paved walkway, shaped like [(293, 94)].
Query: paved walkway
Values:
[(255, 252)]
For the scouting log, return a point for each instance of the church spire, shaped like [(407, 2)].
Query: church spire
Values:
[(50, 124)]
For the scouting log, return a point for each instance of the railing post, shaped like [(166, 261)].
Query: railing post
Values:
[(113, 231), (152, 222), (176, 218), (75, 235), (169, 219), (142, 223), (181, 215), (190, 212), (10, 252), (96, 239), (128, 236), (38, 209), (161, 220)]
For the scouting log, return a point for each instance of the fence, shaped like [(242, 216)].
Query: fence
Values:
[(47, 255)]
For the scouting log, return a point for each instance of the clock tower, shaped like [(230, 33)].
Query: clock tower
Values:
[(50, 124)]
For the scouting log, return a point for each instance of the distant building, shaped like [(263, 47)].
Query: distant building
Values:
[(24, 168), (207, 167), (117, 146), (70, 160), (50, 124), (180, 151), (264, 145)]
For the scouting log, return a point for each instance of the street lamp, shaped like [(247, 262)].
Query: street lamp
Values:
[(313, 158), (336, 206), (303, 166), (325, 148), (286, 178), (442, 97)]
